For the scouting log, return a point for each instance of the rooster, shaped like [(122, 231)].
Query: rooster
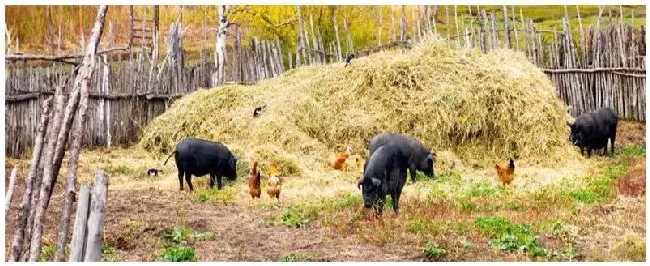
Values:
[(506, 175), (254, 182), (274, 183), (339, 162)]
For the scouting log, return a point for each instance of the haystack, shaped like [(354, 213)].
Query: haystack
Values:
[(484, 108)]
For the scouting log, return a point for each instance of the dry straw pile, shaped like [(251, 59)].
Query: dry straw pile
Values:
[(481, 107)]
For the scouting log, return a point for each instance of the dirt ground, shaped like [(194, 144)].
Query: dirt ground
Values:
[(138, 218)]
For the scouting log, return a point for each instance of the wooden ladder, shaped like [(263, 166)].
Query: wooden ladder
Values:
[(143, 28)]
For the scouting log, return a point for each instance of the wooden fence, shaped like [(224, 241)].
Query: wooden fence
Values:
[(126, 94), (595, 67), (592, 68)]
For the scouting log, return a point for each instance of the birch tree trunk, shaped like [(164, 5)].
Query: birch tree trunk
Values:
[(402, 31), (220, 50), (82, 81), (379, 10), (348, 38), (336, 34)]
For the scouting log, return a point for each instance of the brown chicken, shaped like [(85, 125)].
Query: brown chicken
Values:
[(506, 175), (274, 183), (254, 182), (273, 186), (339, 162)]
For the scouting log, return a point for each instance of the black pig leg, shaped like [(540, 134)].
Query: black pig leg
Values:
[(180, 178), (188, 179), (219, 183), (412, 172), (211, 181), (395, 197)]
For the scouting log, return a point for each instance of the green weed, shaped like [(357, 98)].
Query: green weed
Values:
[(119, 169), (215, 195), (346, 201), (632, 150), (47, 253), (298, 216), (179, 254), (180, 234), (432, 251), (298, 256), (107, 249), (481, 190), (508, 236)]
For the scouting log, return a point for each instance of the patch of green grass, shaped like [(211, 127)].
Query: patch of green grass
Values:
[(182, 234), (415, 225), (118, 170), (299, 216), (228, 194), (510, 237), (616, 170), (440, 187), (631, 150), (108, 249), (298, 256), (481, 190), (420, 225), (179, 254), (47, 253), (584, 196), (513, 205), (467, 205), (433, 251), (346, 201)]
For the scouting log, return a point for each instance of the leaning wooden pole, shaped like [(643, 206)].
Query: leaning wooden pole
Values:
[(78, 242), (93, 249), (25, 204), (75, 149), (81, 83), (10, 189), (42, 195)]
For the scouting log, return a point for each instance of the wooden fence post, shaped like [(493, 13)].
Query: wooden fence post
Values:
[(78, 242), (93, 250), (10, 189), (25, 204)]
